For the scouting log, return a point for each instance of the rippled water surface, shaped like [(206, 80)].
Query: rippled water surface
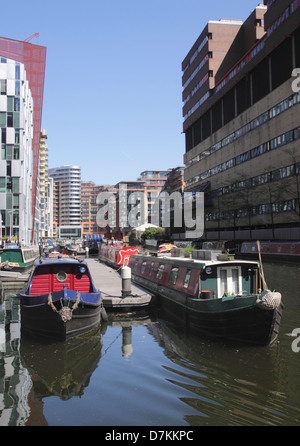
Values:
[(138, 371)]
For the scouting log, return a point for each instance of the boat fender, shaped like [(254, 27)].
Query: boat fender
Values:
[(126, 280), (269, 300), (103, 314)]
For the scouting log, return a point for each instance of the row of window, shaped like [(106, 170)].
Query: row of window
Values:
[(201, 64), (173, 274), (273, 144), (260, 45), (197, 105), (194, 91), (262, 209), (283, 17), (268, 177), (283, 106), (196, 52)]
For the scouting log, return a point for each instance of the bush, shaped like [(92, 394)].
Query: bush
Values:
[(152, 233)]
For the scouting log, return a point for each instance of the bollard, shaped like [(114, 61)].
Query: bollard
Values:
[(126, 281)]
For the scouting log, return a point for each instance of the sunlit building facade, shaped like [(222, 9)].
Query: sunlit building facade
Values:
[(22, 72), (242, 132), (68, 192)]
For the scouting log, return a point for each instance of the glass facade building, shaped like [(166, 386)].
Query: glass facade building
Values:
[(22, 73)]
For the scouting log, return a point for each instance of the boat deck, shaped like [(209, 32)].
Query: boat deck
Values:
[(109, 282)]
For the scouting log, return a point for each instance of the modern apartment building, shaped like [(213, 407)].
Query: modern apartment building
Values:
[(89, 208), (154, 182), (68, 192), (22, 72), (242, 123), (45, 191)]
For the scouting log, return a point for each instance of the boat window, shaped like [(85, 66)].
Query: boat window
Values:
[(187, 278), (151, 269), (160, 271), (173, 275), (229, 281), (143, 267), (61, 276)]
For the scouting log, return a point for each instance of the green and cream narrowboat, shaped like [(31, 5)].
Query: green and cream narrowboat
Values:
[(15, 258)]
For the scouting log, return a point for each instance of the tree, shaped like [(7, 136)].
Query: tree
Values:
[(153, 233)]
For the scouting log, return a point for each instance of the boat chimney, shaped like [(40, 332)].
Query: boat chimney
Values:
[(126, 280)]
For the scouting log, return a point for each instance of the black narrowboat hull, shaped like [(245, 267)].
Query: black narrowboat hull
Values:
[(58, 322), (244, 325), (240, 320)]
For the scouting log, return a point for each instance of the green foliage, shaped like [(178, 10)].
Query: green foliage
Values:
[(152, 233)]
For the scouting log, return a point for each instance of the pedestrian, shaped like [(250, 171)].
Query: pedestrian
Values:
[(86, 252)]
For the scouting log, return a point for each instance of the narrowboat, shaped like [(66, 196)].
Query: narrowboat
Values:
[(272, 251), (116, 255), (60, 300), (222, 298), (16, 258)]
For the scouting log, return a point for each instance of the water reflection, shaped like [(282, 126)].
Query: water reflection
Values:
[(15, 381), (227, 385), (62, 369)]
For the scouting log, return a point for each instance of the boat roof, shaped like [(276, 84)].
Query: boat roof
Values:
[(194, 263), (59, 260)]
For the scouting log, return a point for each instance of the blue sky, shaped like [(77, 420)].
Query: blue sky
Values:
[(112, 96)]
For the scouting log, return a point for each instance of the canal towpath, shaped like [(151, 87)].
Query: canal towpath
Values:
[(109, 282)]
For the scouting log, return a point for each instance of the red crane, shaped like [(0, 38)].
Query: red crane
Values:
[(31, 37)]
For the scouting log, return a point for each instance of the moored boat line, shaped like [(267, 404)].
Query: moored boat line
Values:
[(271, 251)]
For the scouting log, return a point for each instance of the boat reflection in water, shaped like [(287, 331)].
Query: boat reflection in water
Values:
[(62, 369)]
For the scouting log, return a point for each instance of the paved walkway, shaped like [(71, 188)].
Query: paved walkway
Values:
[(109, 282)]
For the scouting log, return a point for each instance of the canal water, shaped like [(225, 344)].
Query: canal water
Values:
[(141, 370)]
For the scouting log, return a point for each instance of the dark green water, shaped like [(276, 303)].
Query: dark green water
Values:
[(145, 372)]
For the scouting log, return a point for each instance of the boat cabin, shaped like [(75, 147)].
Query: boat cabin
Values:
[(55, 275), (196, 278), (116, 255)]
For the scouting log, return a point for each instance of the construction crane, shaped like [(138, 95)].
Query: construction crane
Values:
[(31, 37)]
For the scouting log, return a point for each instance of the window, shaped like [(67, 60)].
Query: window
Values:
[(10, 119), (3, 86), (187, 278), (143, 267), (3, 151), (16, 152), (160, 271), (229, 281), (151, 269), (2, 120), (2, 184), (173, 275)]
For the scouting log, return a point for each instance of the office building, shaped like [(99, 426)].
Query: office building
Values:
[(241, 119), (22, 72)]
